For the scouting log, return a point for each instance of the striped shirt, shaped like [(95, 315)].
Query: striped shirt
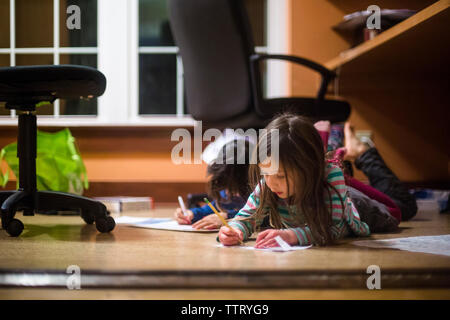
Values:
[(346, 219)]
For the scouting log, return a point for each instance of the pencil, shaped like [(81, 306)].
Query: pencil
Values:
[(183, 207), (221, 218)]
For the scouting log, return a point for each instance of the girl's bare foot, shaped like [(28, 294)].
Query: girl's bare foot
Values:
[(354, 146)]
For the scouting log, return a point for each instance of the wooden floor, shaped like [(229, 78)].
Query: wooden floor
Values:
[(228, 294), (135, 263)]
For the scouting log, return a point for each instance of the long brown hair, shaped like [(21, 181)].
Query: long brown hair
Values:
[(301, 153)]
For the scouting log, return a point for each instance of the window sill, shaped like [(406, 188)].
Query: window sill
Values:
[(80, 121)]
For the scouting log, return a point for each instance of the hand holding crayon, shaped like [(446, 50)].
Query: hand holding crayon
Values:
[(222, 219)]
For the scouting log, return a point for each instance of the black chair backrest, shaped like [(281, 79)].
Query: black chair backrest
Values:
[(215, 42)]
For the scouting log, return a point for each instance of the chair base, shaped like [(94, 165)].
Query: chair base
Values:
[(90, 210)]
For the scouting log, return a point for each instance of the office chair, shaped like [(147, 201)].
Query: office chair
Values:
[(22, 88), (221, 69)]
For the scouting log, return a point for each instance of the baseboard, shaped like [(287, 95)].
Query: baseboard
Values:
[(159, 191), (169, 191)]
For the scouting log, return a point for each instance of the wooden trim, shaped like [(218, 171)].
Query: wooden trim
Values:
[(244, 279), (160, 192), (129, 153), (111, 139), (168, 192)]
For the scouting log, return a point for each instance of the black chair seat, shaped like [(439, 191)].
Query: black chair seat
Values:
[(33, 84), (303, 106), (243, 121), (309, 107)]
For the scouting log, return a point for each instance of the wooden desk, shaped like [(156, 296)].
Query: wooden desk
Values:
[(397, 85)]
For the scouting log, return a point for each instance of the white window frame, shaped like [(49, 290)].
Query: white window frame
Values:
[(278, 42), (118, 58), (56, 50)]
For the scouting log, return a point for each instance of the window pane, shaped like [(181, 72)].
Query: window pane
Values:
[(157, 83), (86, 36), (263, 70), (78, 106), (4, 62), (34, 23), (158, 71), (37, 59), (185, 108), (154, 29), (33, 59), (256, 10), (4, 24)]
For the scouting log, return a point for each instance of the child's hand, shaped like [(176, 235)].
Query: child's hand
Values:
[(230, 237), (181, 218), (211, 221), (266, 239)]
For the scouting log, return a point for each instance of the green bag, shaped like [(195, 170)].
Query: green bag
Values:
[(59, 166)]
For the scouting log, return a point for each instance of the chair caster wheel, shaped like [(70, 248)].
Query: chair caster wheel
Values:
[(15, 228), (104, 225), (111, 223), (89, 219)]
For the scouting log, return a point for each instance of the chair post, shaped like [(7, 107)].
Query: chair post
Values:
[(27, 152)]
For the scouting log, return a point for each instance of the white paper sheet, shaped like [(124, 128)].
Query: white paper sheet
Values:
[(283, 244), (273, 249), (158, 223), (139, 220), (426, 244)]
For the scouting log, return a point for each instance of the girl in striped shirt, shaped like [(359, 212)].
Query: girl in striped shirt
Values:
[(304, 202)]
